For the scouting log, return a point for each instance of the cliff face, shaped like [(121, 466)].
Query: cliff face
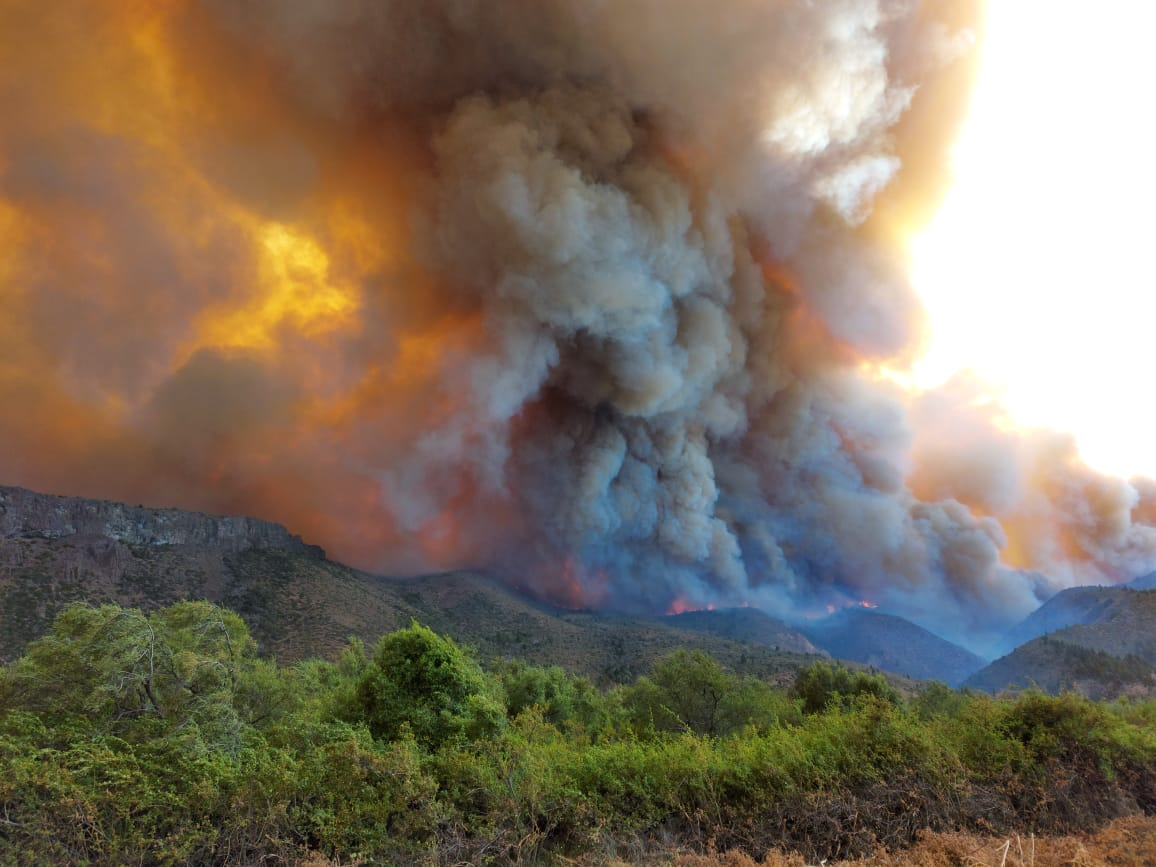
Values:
[(55, 550), (30, 515)]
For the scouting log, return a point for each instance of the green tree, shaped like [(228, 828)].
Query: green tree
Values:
[(937, 699), (424, 682), (685, 691), (561, 697), (118, 671), (821, 685)]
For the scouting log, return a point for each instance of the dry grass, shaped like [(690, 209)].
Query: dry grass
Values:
[(1129, 842), (1125, 842)]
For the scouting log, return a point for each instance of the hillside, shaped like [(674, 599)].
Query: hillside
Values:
[(1114, 620), (54, 550), (1110, 650), (1144, 582), (498, 622), (1067, 608), (1054, 664), (892, 644), (748, 625)]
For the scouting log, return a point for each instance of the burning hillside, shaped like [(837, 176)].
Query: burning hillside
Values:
[(591, 294)]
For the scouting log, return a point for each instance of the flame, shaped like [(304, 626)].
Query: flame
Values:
[(863, 603), (574, 585), (294, 290), (681, 604)]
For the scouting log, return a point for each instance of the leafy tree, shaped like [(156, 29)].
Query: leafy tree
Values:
[(328, 690), (424, 682), (561, 698), (821, 685), (119, 671), (937, 699), (753, 703), (688, 691), (684, 692)]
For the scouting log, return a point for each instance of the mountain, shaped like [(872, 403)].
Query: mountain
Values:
[(892, 644), (1114, 620), (1100, 641), (1144, 582), (1067, 608), (748, 625), (54, 550), (1054, 664)]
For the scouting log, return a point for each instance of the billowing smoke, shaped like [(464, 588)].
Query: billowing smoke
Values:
[(589, 294)]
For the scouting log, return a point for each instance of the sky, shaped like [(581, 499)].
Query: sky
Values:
[(1037, 270)]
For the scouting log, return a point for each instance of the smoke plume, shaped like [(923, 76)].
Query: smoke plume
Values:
[(590, 294)]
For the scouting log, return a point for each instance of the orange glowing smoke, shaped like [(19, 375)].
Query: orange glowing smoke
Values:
[(188, 264)]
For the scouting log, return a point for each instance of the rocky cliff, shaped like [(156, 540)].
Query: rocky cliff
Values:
[(55, 550), (30, 515)]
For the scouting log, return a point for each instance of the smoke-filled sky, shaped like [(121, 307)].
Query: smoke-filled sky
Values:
[(1064, 293), (601, 297)]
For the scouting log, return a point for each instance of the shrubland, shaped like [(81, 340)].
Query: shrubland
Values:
[(164, 738)]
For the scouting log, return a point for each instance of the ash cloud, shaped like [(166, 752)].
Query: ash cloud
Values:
[(580, 292)]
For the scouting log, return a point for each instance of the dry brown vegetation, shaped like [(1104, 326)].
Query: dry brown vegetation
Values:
[(1129, 841)]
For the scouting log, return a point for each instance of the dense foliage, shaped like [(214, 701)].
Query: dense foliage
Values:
[(164, 739)]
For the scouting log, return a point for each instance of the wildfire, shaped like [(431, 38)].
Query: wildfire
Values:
[(272, 258), (683, 605)]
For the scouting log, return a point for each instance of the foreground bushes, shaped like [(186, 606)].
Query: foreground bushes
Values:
[(164, 739)]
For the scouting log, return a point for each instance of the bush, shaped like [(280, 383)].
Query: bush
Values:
[(160, 739), (425, 684), (688, 691), (822, 685), (561, 698)]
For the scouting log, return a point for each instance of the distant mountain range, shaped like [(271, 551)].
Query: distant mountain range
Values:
[(1144, 582), (1098, 640), (748, 625), (54, 550), (893, 644), (1054, 664)]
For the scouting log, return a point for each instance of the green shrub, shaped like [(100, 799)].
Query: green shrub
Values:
[(821, 685), (425, 684), (563, 699), (161, 739)]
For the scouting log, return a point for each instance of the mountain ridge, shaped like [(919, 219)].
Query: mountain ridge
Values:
[(29, 514), (749, 625), (892, 644), (55, 550)]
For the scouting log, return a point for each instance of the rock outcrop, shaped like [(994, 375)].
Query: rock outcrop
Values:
[(27, 514)]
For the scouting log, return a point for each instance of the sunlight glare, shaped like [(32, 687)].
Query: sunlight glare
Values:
[(1036, 272)]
